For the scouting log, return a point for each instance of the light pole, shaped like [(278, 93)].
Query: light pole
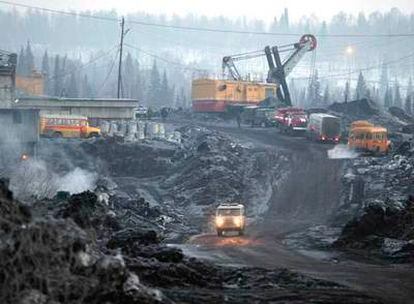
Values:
[(349, 51)]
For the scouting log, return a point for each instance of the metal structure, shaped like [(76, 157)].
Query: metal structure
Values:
[(278, 70)]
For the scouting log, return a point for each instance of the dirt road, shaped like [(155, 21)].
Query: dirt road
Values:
[(307, 198)]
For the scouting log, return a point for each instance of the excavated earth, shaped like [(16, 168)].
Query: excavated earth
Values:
[(108, 244), (378, 206), (80, 252)]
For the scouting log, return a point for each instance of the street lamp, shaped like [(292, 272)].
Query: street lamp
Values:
[(349, 51)]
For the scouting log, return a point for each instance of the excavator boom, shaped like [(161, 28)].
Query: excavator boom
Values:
[(278, 70)]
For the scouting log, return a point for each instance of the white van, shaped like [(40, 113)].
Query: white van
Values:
[(324, 128)]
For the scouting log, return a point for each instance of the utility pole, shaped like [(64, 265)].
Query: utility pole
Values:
[(120, 57)]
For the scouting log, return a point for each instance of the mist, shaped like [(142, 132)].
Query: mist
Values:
[(33, 179), (78, 54), (342, 152)]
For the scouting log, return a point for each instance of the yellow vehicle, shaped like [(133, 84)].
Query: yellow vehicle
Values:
[(367, 137), (67, 126), (230, 217), (211, 95)]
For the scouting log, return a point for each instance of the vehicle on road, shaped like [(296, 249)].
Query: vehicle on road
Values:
[(230, 217), (366, 137), (324, 128), (67, 126), (141, 112), (291, 120), (259, 116)]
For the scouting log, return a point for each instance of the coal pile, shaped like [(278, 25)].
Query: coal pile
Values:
[(47, 257), (133, 159), (383, 229), (53, 260), (365, 109), (216, 169), (184, 180), (401, 114), (362, 109), (378, 206)]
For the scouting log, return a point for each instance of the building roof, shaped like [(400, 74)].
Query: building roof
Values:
[(65, 99), (63, 116)]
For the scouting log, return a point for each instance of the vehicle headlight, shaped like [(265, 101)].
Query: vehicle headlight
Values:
[(237, 221), (219, 221), (24, 157)]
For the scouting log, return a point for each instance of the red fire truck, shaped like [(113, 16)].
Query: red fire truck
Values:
[(291, 120)]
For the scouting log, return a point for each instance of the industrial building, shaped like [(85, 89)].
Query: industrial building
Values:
[(19, 127), (22, 101)]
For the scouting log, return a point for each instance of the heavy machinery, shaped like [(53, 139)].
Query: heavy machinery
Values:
[(210, 95)]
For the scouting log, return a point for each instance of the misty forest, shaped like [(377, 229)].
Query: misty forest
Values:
[(160, 60)]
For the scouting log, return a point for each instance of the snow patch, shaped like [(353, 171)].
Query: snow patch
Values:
[(342, 152)]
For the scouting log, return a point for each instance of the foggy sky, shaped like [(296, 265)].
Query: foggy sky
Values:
[(261, 9)]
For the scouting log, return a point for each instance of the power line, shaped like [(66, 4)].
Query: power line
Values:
[(54, 11), (81, 67), (368, 68), (199, 29), (109, 73), (182, 66)]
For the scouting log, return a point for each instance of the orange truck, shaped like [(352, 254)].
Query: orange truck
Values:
[(365, 136), (67, 126)]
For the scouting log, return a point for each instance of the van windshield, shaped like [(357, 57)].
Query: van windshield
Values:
[(229, 212)]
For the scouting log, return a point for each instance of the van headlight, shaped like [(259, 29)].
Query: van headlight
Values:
[(219, 221), (237, 221)]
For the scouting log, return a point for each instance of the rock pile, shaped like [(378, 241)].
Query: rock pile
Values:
[(362, 109), (190, 178), (393, 119), (47, 257), (53, 260), (380, 192), (214, 169)]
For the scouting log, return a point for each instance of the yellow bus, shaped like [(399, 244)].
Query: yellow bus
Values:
[(66, 126), (365, 136)]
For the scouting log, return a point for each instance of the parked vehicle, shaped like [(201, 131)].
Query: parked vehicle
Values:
[(324, 128), (366, 137), (141, 112), (259, 116), (291, 120), (68, 126), (230, 217)]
